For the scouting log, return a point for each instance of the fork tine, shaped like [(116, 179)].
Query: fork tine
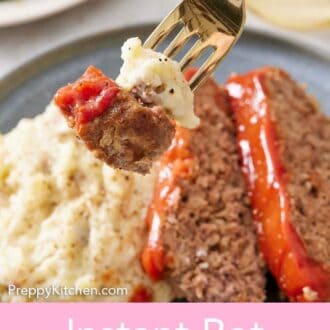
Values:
[(163, 29), (204, 72), (192, 54), (159, 34), (221, 50), (178, 42)]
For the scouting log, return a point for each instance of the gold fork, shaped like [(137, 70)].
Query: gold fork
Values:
[(217, 24)]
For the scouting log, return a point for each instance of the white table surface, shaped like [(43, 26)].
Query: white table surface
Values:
[(21, 43)]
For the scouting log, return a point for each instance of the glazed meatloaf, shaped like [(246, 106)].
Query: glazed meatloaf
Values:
[(285, 145), (115, 124), (201, 230)]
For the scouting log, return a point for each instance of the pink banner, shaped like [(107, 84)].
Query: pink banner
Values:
[(165, 316)]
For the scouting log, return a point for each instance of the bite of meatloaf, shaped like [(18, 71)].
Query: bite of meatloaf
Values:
[(282, 130), (207, 230), (114, 124)]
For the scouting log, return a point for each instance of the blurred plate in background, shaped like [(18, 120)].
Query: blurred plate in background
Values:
[(293, 14), (26, 91), (14, 12)]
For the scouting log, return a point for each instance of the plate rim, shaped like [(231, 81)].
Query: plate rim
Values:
[(36, 15), (26, 70)]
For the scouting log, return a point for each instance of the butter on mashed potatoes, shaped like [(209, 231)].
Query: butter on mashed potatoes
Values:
[(66, 219), (145, 66)]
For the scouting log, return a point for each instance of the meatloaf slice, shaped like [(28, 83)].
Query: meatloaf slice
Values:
[(114, 124), (201, 227), (285, 144), (304, 137)]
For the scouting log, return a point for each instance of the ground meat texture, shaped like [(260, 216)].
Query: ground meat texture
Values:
[(284, 143), (208, 233), (117, 127), (304, 139), (129, 136)]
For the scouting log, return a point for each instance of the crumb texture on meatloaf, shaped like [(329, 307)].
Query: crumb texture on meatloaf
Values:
[(66, 219), (119, 129), (209, 233), (304, 142), (128, 135)]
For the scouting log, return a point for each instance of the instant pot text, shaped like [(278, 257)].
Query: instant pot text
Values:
[(208, 324)]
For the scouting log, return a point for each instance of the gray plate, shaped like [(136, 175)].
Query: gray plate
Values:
[(26, 91)]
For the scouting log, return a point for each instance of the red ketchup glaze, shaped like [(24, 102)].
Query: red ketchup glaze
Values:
[(142, 294), (87, 98), (175, 164), (281, 245)]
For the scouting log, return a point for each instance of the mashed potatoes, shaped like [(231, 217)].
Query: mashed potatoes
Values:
[(144, 66), (65, 218)]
